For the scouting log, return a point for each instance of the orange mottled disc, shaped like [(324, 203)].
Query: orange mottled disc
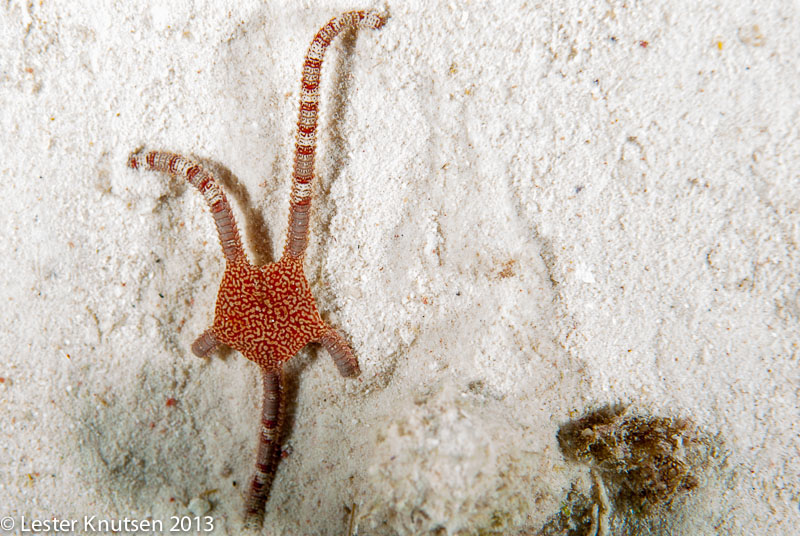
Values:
[(267, 313)]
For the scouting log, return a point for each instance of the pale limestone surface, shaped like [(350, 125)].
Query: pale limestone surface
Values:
[(524, 211)]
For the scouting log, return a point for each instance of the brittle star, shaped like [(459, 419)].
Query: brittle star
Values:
[(267, 312)]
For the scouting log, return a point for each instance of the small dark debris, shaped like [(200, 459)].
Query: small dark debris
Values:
[(646, 461), (573, 518), (476, 387)]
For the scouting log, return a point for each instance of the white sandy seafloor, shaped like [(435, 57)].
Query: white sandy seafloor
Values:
[(525, 211)]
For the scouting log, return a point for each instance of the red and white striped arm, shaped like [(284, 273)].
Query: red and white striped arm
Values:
[(203, 180), (269, 447), (305, 144)]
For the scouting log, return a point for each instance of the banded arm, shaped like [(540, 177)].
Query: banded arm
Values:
[(203, 180), (269, 447), (341, 353), (305, 144), (205, 343)]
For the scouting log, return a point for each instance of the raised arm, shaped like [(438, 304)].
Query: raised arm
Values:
[(175, 164), (305, 144)]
